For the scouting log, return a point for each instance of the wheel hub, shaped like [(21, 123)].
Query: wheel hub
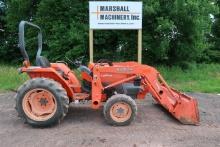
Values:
[(39, 104), (43, 101), (120, 112)]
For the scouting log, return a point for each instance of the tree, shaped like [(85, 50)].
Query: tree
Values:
[(16, 11), (65, 27), (2, 24), (174, 31), (214, 52)]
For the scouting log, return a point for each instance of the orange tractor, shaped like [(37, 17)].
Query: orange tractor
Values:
[(44, 99)]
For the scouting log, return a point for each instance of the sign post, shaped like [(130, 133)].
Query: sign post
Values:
[(140, 46), (109, 15), (91, 45)]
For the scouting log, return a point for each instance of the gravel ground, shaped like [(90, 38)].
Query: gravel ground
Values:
[(86, 127)]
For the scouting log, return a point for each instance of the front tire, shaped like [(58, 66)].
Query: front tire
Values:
[(41, 102), (120, 110)]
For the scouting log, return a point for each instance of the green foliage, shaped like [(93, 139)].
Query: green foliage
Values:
[(65, 27), (2, 25), (214, 52), (174, 31), (9, 78), (177, 30), (16, 11), (200, 78)]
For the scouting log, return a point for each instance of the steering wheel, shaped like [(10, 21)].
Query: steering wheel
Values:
[(77, 62), (105, 61)]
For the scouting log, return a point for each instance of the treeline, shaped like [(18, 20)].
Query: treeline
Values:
[(175, 32)]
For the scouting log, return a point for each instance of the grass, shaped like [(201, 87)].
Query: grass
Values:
[(10, 79), (202, 78)]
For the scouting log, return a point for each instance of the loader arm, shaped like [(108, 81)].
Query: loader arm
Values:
[(184, 108)]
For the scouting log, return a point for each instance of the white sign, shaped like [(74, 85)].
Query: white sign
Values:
[(115, 15)]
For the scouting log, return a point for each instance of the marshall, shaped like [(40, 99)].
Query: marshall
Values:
[(115, 8)]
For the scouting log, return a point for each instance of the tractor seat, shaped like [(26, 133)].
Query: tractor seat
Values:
[(42, 62)]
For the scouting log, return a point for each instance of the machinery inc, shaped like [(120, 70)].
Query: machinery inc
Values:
[(117, 13)]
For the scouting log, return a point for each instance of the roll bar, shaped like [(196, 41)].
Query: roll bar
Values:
[(22, 39)]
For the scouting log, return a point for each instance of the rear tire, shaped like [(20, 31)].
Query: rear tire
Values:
[(120, 110), (41, 102)]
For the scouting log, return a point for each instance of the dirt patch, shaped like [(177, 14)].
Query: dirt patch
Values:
[(86, 127)]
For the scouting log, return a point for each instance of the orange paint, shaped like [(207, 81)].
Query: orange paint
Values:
[(104, 77)]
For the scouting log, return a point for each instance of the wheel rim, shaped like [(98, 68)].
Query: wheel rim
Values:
[(120, 112), (39, 104)]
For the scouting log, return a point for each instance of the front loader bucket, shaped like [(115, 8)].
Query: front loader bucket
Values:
[(184, 108)]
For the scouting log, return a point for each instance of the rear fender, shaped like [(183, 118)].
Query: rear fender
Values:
[(50, 73)]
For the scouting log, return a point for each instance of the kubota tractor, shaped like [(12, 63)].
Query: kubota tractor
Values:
[(44, 99)]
